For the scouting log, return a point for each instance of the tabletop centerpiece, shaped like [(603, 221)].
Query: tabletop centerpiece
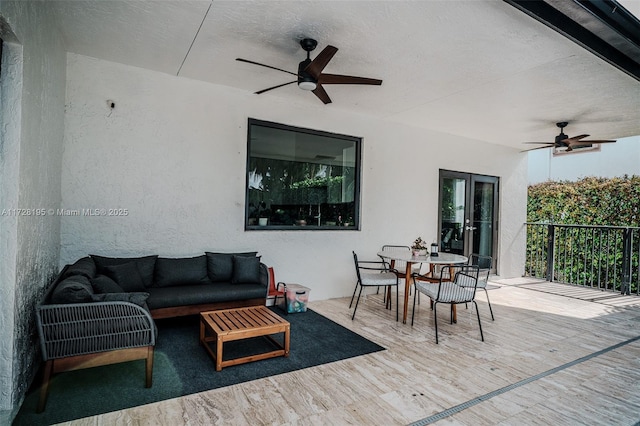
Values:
[(419, 248)]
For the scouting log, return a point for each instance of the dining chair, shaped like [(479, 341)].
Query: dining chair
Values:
[(484, 264), (459, 290), (274, 291), (373, 273), (400, 266)]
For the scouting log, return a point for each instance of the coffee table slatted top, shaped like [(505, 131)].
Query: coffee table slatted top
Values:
[(240, 320)]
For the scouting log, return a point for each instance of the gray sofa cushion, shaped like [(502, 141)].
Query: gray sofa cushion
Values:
[(165, 297), (181, 271), (146, 265), (246, 270), (139, 298), (127, 276), (104, 284), (75, 289), (220, 265), (85, 267)]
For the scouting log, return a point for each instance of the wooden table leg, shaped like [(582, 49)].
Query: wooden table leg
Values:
[(219, 344), (407, 286), (287, 340)]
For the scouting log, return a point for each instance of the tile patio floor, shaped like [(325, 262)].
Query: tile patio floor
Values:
[(547, 359)]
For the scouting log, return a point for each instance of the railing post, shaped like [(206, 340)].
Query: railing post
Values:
[(625, 288), (550, 251)]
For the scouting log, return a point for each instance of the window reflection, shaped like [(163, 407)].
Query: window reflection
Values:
[(301, 179)]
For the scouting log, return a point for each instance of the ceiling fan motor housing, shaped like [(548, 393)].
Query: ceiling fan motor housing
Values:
[(305, 80)]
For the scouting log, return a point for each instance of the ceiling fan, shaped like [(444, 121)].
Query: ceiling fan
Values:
[(310, 75), (564, 141)]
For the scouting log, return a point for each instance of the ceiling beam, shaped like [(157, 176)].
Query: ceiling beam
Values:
[(603, 27)]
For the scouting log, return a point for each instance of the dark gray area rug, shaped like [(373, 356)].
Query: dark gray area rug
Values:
[(182, 367)]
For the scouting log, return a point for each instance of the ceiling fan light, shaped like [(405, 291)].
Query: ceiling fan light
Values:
[(307, 85)]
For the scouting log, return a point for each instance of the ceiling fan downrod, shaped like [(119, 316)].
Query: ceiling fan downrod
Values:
[(306, 81)]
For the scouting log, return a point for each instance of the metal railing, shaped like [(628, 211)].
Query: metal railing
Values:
[(603, 257)]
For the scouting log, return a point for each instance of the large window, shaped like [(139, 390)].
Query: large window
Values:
[(301, 179)]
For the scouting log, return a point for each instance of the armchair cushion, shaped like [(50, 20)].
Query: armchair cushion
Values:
[(146, 265), (182, 271), (246, 269), (139, 298), (75, 289), (104, 284), (220, 265)]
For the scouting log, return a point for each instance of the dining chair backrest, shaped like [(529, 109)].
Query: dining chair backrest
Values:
[(448, 272), (371, 266), (459, 290), (399, 265), (484, 264), (357, 265)]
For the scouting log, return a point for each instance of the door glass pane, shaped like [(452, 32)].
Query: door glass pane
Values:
[(453, 210), (483, 218)]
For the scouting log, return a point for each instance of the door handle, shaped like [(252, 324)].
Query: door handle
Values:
[(470, 228)]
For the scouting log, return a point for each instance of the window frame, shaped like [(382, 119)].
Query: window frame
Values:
[(289, 128)]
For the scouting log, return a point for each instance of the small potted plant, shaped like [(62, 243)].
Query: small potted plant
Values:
[(419, 248)]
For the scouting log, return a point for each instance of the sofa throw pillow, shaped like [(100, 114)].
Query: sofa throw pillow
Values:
[(139, 298), (75, 289), (103, 284), (181, 271), (146, 265), (126, 276), (85, 266), (220, 265), (245, 270)]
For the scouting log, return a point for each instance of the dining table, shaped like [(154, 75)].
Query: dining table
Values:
[(443, 258)]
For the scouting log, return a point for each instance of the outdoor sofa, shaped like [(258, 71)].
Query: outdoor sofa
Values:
[(101, 310)]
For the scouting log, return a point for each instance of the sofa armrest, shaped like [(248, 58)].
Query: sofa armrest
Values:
[(84, 328)]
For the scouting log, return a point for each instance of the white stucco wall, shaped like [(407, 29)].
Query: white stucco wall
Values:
[(30, 157), (173, 152)]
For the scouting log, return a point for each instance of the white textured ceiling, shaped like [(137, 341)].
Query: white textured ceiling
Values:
[(479, 68)]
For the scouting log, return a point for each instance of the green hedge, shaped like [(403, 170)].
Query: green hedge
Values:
[(585, 256), (590, 201)]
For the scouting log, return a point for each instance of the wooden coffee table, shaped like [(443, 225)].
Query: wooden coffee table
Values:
[(242, 323)]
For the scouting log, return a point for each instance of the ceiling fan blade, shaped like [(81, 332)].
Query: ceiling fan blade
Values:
[(540, 147), (275, 87), (266, 66), (547, 143), (317, 65), (575, 138), (594, 141), (346, 79), (322, 94)]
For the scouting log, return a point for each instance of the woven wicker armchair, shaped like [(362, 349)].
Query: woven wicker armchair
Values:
[(82, 335)]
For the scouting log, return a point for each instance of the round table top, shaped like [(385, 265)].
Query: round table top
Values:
[(442, 258)]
